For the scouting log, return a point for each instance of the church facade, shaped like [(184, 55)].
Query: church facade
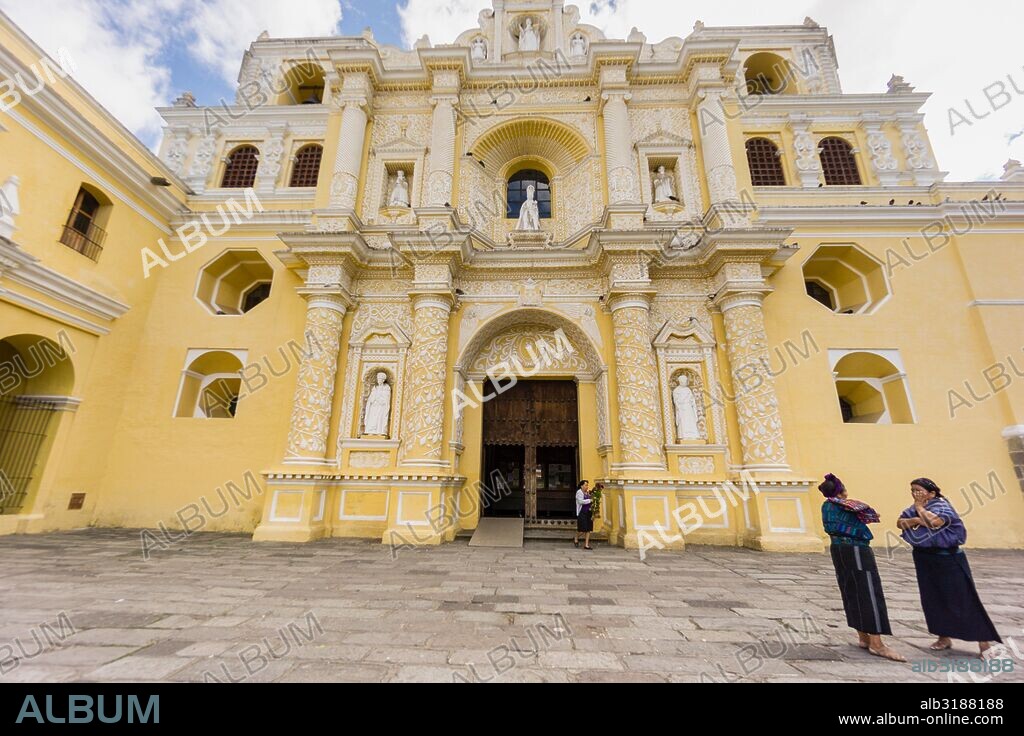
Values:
[(383, 293)]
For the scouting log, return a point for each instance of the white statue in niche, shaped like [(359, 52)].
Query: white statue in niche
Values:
[(687, 421), (529, 36), (529, 216), (479, 50), (664, 187), (378, 408), (578, 45), (400, 191)]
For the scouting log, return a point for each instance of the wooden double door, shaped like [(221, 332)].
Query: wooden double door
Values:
[(531, 440)]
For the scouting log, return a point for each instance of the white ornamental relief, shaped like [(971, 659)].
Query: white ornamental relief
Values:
[(806, 152), (202, 161), (369, 460), (380, 315), (175, 156), (757, 404), (343, 190), (270, 159), (881, 152), (918, 156), (439, 188), (700, 465), (529, 350)]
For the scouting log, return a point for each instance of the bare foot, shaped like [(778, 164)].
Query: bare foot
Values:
[(942, 645), (888, 653), (865, 641)]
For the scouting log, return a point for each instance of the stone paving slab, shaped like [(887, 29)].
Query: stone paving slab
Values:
[(86, 606)]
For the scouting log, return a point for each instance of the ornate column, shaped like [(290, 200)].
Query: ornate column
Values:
[(354, 99), (424, 413), (314, 394), (442, 140), (719, 167), (623, 185), (757, 405), (641, 435)]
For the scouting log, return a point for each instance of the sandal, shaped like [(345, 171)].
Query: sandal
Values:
[(887, 653), (589, 549), (936, 647), (576, 542)]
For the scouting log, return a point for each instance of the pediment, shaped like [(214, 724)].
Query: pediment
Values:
[(684, 335)]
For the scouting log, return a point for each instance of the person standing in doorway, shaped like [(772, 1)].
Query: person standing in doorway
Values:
[(952, 606), (846, 522), (584, 517)]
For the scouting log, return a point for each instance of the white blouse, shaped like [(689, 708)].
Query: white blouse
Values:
[(581, 501)]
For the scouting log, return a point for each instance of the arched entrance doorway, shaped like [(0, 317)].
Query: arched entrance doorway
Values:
[(536, 421), (36, 381)]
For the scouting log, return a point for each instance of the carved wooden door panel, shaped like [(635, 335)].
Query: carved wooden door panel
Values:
[(541, 417)]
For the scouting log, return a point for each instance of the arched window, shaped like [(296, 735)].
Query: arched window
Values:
[(517, 191), (765, 164), (82, 231), (306, 169), (211, 385), (839, 163), (872, 387), (240, 171), (769, 74)]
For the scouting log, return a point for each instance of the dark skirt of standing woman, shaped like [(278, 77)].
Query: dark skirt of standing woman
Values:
[(585, 520), (846, 521), (952, 606)]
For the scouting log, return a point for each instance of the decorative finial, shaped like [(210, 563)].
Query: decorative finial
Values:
[(899, 86), (1013, 171), (185, 99)]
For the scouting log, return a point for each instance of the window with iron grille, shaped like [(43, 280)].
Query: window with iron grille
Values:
[(242, 164), (765, 163), (306, 169), (517, 193), (839, 163), (81, 233)]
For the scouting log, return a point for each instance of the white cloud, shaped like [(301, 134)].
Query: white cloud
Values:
[(949, 49), (219, 31), (121, 48), (118, 66)]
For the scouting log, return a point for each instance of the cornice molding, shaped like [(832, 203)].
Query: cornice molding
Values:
[(28, 270)]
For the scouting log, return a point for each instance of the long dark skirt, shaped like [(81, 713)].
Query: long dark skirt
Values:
[(861, 588), (585, 521), (949, 598)]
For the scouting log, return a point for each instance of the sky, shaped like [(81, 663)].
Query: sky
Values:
[(136, 55)]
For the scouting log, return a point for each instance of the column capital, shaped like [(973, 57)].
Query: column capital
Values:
[(432, 299), (612, 95), (630, 299), (444, 98), (335, 300), (734, 296)]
